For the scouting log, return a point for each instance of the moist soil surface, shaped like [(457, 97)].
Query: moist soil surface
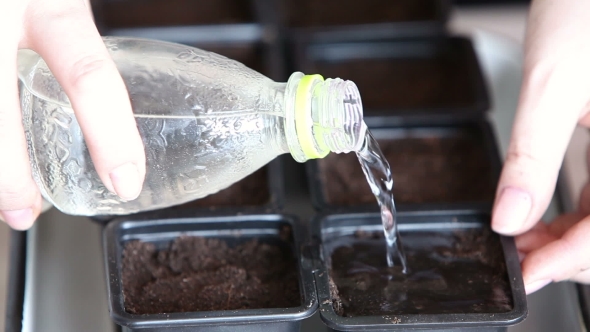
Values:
[(449, 273), (205, 274), (426, 169), (312, 13)]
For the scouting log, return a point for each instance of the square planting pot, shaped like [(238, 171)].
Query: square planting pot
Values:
[(425, 78), (208, 274), (433, 166), (350, 20), (462, 276)]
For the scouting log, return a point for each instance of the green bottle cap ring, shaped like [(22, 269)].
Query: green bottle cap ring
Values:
[(303, 120)]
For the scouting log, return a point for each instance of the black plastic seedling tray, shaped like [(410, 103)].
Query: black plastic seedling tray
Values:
[(161, 230), (329, 231), (350, 20), (425, 78), (494, 267), (433, 166)]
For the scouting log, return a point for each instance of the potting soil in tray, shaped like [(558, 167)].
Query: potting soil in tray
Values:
[(205, 274), (427, 167), (450, 272)]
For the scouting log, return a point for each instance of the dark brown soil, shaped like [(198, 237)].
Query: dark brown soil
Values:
[(427, 169), (407, 84), (253, 190), (205, 274), (312, 13), (139, 13), (449, 273)]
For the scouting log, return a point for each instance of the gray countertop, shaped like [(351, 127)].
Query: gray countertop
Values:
[(66, 287)]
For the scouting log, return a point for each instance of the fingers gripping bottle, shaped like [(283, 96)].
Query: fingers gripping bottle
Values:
[(206, 122)]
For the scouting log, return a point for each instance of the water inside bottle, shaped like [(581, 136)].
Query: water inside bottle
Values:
[(378, 173), (188, 157)]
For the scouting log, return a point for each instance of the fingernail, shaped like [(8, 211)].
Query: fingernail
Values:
[(18, 219), (126, 181), (511, 211), (536, 285)]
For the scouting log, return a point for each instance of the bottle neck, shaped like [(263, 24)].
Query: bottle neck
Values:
[(322, 116)]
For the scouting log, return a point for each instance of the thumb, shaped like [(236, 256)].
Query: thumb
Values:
[(554, 96)]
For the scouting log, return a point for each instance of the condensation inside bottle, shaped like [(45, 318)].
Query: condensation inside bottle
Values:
[(206, 122)]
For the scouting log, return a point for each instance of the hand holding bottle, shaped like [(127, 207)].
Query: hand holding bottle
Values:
[(64, 34), (555, 97)]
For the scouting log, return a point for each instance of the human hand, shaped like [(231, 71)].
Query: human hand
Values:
[(64, 34), (555, 97)]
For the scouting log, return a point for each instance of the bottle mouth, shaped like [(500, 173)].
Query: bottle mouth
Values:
[(340, 116), (326, 116)]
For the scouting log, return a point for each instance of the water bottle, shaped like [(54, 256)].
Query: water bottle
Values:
[(206, 122)]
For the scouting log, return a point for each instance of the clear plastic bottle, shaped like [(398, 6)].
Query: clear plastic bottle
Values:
[(206, 122)]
